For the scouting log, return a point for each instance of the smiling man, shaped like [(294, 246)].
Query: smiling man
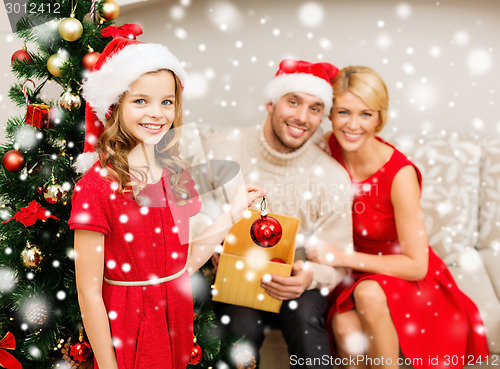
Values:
[(301, 181)]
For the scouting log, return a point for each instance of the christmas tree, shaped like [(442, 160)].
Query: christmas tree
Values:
[(39, 312)]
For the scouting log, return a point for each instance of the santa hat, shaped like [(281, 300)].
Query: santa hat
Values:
[(302, 76), (121, 63)]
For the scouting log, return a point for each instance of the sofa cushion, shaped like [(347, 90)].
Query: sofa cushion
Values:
[(450, 167), (489, 210), (475, 282), (489, 214)]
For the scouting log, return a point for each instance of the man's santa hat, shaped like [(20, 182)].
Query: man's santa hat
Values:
[(302, 76), (121, 63)]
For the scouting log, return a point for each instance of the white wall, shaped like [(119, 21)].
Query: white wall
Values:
[(439, 58)]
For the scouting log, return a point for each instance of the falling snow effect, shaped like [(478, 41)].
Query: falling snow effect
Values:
[(311, 14), (355, 343), (8, 279), (479, 62), (225, 15), (468, 62)]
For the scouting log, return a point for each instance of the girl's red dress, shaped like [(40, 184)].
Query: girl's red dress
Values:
[(151, 326), (433, 318)]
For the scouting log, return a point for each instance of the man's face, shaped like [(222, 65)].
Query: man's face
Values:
[(292, 121)]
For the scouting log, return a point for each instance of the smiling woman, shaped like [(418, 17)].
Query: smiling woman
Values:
[(400, 293)]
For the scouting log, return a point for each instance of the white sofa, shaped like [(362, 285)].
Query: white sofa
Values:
[(461, 202)]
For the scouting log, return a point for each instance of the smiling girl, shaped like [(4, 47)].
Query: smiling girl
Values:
[(131, 212)]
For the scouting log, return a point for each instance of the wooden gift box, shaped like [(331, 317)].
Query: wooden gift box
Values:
[(243, 264)]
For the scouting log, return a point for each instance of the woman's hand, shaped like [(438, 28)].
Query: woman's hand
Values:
[(322, 252)]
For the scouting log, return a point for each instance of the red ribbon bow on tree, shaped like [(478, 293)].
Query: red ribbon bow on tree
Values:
[(7, 360), (127, 30), (30, 214)]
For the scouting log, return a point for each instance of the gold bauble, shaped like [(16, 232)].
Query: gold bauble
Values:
[(54, 193), (31, 255), (110, 10), (55, 62), (69, 100), (70, 28)]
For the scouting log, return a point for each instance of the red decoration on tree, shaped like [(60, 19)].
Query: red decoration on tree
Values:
[(6, 359), (80, 352), (40, 116), (14, 161), (265, 231), (90, 59), (21, 55), (30, 214), (196, 354)]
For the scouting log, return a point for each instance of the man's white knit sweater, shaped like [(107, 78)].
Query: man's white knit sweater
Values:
[(306, 183)]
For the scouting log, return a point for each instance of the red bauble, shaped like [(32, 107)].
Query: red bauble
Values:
[(21, 55), (90, 59), (266, 231), (196, 354), (80, 352), (14, 161), (278, 260)]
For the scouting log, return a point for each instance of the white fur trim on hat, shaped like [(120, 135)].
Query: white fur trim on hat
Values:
[(105, 86), (84, 161), (301, 82)]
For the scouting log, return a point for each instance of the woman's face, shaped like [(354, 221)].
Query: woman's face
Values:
[(148, 109), (353, 122)]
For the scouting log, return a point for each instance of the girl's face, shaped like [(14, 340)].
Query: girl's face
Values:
[(353, 122), (148, 109)]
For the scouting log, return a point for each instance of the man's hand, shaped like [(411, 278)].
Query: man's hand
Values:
[(287, 288), (215, 260)]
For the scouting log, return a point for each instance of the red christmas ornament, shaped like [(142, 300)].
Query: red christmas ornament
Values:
[(14, 161), (21, 55), (80, 352), (278, 260), (196, 354), (265, 231), (90, 59)]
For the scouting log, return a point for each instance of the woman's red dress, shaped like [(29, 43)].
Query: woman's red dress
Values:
[(433, 318)]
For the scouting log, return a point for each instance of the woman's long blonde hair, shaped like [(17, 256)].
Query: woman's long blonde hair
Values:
[(366, 84), (116, 143)]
